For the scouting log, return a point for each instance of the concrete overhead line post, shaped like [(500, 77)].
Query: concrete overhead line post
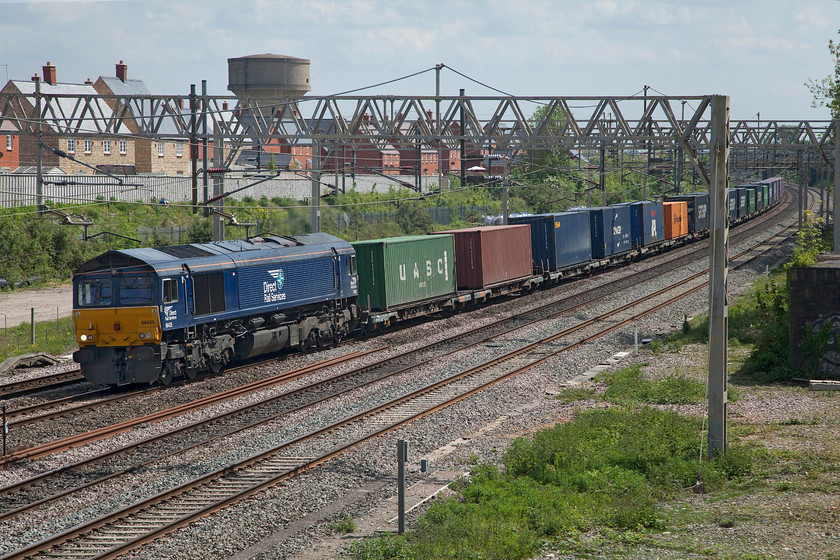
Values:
[(316, 186), (718, 273), (218, 184), (836, 184)]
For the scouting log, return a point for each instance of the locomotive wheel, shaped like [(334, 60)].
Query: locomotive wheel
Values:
[(309, 342), (190, 372), (324, 339), (165, 377)]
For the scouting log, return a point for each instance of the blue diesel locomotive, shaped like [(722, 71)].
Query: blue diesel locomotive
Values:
[(145, 315)]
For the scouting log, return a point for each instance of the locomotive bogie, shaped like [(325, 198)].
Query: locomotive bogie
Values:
[(119, 365)]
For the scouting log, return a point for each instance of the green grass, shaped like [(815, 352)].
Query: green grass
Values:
[(627, 386), (346, 525), (606, 469), (571, 395), (51, 337)]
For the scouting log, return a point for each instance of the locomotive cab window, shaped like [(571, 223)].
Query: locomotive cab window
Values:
[(170, 290), (93, 292), (135, 290), (351, 264)]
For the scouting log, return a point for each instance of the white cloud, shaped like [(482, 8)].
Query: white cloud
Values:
[(534, 47)]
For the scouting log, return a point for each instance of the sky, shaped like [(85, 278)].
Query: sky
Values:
[(759, 52)]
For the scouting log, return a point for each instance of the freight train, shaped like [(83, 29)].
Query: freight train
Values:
[(156, 314)]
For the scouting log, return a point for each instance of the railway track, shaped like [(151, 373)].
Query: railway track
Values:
[(22, 416), (167, 511), (74, 404), (25, 387), (353, 380)]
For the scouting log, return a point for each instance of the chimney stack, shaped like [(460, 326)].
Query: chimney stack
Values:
[(49, 73), (224, 105), (89, 82), (35, 78), (122, 71)]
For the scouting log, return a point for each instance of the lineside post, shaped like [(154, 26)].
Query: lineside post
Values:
[(718, 272), (402, 457)]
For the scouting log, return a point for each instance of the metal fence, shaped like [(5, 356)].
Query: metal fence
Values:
[(20, 190)]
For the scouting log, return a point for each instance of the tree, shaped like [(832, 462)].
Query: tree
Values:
[(538, 165), (826, 91)]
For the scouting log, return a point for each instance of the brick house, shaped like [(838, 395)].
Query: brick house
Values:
[(169, 157), (9, 148), (165, 156)]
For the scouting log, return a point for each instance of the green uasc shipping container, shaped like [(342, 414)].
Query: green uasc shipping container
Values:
[(397, 271)]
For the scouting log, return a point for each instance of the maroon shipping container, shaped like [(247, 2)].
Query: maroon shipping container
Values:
[(491, 255)]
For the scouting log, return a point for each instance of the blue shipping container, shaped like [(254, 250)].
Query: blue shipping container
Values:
[(646, 224), (732, 202), (558, 240), (610, 228), (698, 210), (743, 203)]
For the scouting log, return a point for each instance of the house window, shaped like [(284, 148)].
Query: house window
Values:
[(179, 150), (106, 147), (160, 149), (9, 142), (88, 146), (71, 145), (123, 146)]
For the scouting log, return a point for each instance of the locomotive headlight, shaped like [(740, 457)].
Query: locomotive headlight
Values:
[(142, 335), (148, 335), (83, 337)]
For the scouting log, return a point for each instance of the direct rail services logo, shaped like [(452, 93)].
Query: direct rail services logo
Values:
[(272, 291)]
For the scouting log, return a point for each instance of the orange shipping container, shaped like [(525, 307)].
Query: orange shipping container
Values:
[(676, 219)]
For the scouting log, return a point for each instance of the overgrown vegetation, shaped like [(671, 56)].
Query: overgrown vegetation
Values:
[(627, 386), (606, 468), (762, 319), (52, 337)]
